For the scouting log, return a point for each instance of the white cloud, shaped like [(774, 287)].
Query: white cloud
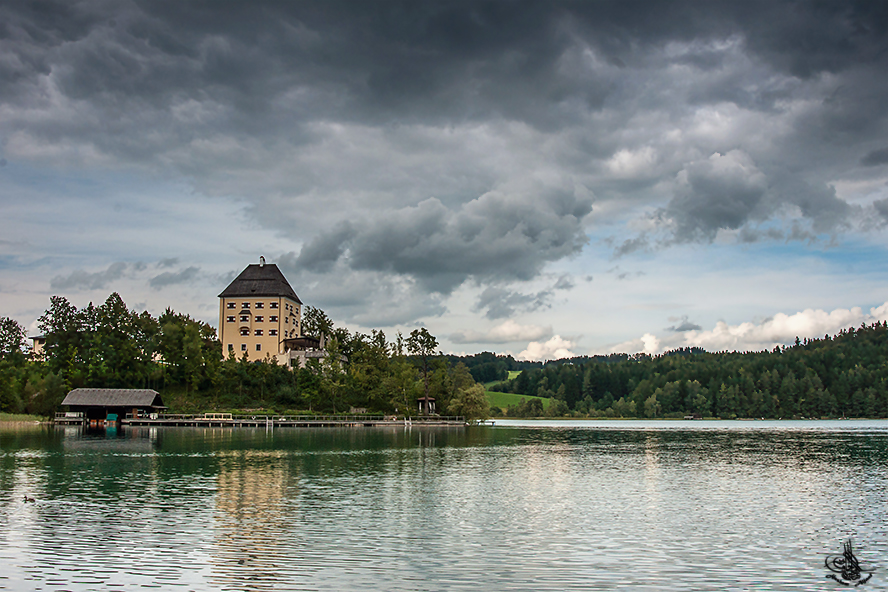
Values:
[(555, 348), (781, 329), (629, 164), (778, 330), (507, 332), (647, 343)]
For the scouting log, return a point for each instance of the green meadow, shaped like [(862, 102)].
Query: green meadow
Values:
[(503, 400)]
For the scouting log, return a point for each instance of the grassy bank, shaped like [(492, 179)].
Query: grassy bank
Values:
[(19, 417), (503, 400)]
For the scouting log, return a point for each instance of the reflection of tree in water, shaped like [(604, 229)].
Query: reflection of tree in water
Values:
[(250, 520)]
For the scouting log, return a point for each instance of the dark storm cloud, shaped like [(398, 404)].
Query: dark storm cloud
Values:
[(875, 158), (169, 278), (431, 61), (683, 325), (565, 282), (495, 237), (624, 275), (748, 234), (631, 245), (818, 204), (501, 303), (324, 250), (881, 208), (730, 192), (369, 298), (168, 262), (334, 122), (84, 280), (722, 192)]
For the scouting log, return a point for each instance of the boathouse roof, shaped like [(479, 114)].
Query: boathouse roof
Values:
[(260, 279), (91, 397)]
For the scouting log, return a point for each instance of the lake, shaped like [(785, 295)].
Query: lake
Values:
[(522, 505)]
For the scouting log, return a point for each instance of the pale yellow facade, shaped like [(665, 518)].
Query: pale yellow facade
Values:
[(257, 325), (37, 347)]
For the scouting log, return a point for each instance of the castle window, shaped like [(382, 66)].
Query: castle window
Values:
[(245, 318), (258, 332), (230, 319), (243, 347), (273, 305), (259, 319), (230, 347), (259, 305), (287, 319), (231, 305), (272, 332), (258, 347), (245, 305), (273, 319), (245, 331)]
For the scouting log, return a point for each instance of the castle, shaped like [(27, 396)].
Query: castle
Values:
[(261, 316)]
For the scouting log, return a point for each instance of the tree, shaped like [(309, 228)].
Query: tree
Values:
[(557, 407), (12, 338), (115, 347), (400, 381), (331, 373), (61, 325), (652, 405), (470, 402), (316, 323), (423, 344), (368, 366)]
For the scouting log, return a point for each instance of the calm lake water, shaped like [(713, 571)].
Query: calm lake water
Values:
[(527, 505)]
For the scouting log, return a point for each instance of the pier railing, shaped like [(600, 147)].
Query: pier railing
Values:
[(250, 417)]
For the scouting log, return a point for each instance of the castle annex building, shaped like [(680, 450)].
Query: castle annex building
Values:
[(258, 311)]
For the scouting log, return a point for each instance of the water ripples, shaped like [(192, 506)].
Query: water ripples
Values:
[(507, 509)]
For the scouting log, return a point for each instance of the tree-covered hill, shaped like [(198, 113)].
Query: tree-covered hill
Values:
[(488, 366), (844, 375)]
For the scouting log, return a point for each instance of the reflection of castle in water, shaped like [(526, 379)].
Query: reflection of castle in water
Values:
[(250, 520)]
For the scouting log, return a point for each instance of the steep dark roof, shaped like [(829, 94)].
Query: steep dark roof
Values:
[(113, 398), (260, 280)]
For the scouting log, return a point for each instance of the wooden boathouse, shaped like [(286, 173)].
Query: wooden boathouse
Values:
[(91, 406)]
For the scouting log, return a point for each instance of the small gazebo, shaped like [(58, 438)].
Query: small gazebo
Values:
[(426, 405)]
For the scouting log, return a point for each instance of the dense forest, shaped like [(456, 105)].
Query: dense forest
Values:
[(110, 346), (845, 375), (490, 367)]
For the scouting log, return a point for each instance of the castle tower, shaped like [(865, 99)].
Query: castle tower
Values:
[(257, 311)]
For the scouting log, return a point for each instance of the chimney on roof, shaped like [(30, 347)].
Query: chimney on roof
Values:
[(261, 261)]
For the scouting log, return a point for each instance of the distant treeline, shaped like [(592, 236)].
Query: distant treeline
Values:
[(844, 375), (489, 367), (110, 346)]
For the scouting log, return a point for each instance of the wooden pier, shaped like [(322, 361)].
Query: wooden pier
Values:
[(228, 420)]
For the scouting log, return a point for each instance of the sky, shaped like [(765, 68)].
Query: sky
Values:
[(542, 179)]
